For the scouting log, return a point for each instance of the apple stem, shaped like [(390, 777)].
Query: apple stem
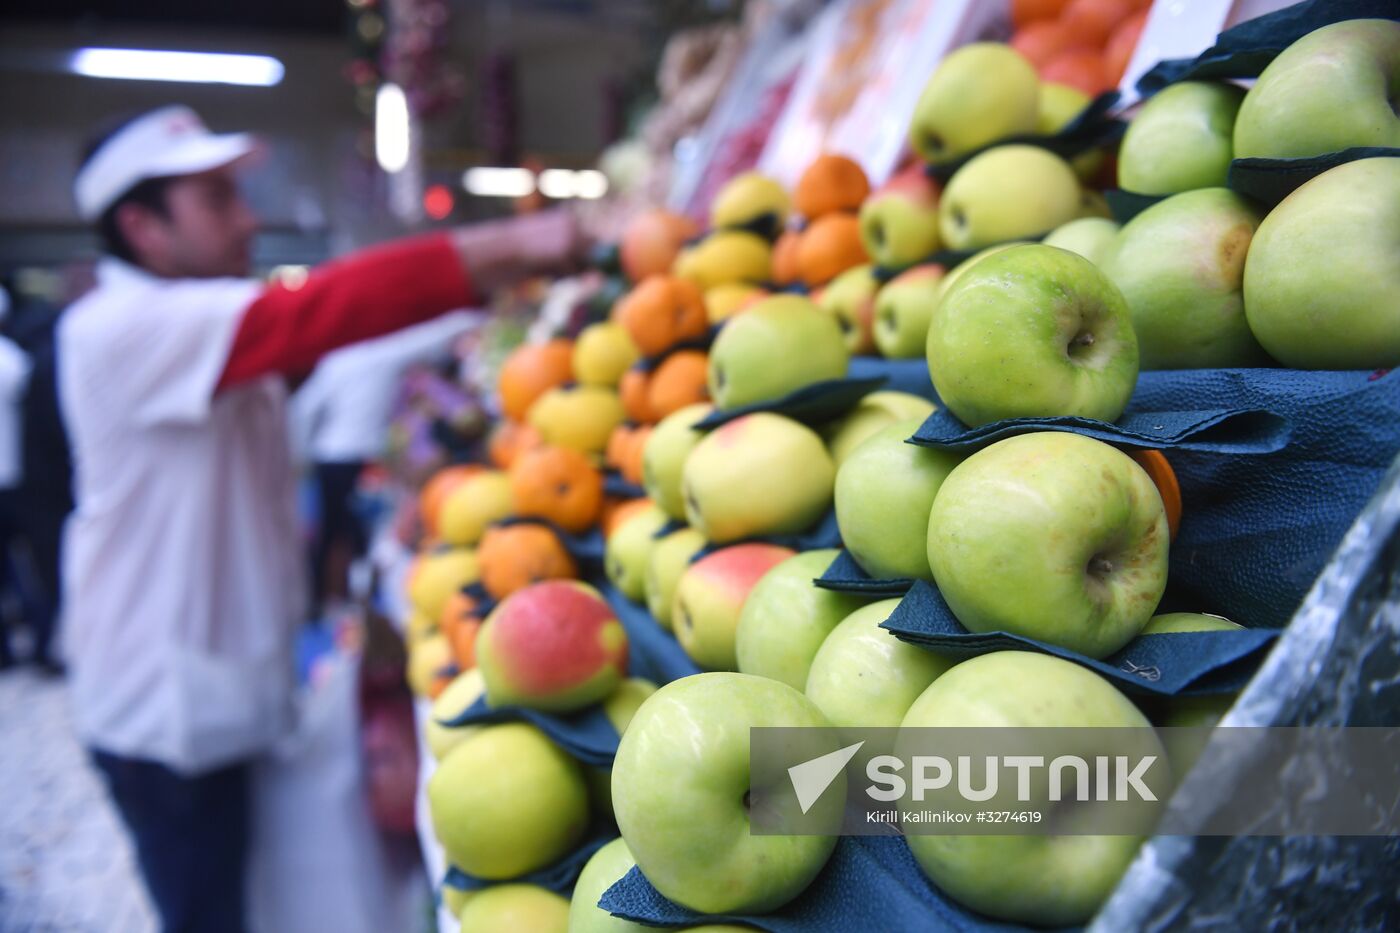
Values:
[(1100, 566)]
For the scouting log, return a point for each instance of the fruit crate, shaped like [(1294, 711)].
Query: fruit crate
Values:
[(1336, 664)]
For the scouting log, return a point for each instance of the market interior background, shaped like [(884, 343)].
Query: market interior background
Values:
[(389, 117)]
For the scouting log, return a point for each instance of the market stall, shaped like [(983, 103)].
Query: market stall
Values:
[(985, 400)]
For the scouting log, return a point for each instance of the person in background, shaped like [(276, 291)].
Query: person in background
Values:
[(14, 375), (340, 419), (44, 496), (183, 577)]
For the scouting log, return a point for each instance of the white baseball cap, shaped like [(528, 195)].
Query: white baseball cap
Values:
[(165, 142)]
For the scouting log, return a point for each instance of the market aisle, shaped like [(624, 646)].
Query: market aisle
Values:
[(65, 865)]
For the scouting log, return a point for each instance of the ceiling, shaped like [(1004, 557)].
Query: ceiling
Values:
[(324, 17)]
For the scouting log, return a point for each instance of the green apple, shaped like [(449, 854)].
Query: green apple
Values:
[(1170, 622), (663, 456), (605, 869), (1180, 265), (454, 899), (1093, 204), (777, 346), (1181, 139), (864, 676), (750, 198), (787, 617), (950, 278), (979, 94), (628, 548), (1190, 711), (1033, 331), (873, 412), (1045, 880), (1333, 89), (668, 559), (1007, 193), (466, 688), (758, 475), (1090, 237), (711, 596), (681, 783), (507, 801), (515, 907), (1321, 287), (619, 706), (1052, 536), (1060, 104), (884, 491), (903, 309), (899, 223), (850, 299)]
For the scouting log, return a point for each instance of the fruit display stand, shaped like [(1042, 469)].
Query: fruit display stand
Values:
[(840, 539)]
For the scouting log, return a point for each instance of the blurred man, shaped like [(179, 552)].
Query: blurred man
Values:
[(182, 568)]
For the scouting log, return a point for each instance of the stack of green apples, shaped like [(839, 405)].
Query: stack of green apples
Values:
[(1211, 278)]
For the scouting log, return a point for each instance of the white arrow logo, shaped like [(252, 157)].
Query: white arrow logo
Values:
[(811, 778)]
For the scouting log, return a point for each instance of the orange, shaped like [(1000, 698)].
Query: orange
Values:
[(661, 311), (532, 370), (1155, 463), (619, 510), (625, 450), (652, 240), (441, 679), (619, 445), (679, 381), (1081, 68), (1024, 12), (458, 609), (436, 490), (830, 246), (514, 556), (1042, 41), (785, 258), (1122, 44), (632, 464), (559, 484), (463, 643), (1093, 21), (635, 402), (509, 440), (831, 183)]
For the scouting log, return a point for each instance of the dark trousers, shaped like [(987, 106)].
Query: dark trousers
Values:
[(191, 838), (340, 536)]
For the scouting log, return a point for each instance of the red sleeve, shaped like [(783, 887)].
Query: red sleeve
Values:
[(366, 294)]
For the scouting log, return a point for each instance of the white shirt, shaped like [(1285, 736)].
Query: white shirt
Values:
[(14, 375), (342, 413), (182, 565)]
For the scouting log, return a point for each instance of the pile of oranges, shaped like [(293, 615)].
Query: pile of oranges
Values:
[(1085, 44)]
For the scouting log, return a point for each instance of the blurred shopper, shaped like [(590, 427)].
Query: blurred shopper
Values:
[(340, 422), (44, 497), (182, 572), (18, 602)]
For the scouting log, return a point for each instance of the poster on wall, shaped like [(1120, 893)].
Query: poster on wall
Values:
[(866, 62)]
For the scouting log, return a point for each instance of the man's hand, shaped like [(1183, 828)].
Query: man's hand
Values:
[(500, 252)]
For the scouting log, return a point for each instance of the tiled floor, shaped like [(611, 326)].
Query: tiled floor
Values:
[(65, 864)]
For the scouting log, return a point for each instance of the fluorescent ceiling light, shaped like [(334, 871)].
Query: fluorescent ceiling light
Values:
[(191, 67), (590, 184), (391, 128), (492, 182), (563, 183)]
